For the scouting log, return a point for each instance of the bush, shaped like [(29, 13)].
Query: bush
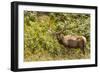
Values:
[(41, 44)]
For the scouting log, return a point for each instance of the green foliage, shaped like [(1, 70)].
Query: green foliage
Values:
[(41, 44)]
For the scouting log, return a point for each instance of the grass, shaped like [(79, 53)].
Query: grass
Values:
[(41, 45)]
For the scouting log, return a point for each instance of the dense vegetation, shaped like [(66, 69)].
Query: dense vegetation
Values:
[(41, 45)]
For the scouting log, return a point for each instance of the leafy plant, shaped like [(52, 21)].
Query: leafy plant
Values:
[(39, 42)]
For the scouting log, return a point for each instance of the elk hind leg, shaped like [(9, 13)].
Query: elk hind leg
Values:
[(83, 51)]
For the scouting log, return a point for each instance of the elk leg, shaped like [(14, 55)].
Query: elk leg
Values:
[(82, 47), (83, 51)]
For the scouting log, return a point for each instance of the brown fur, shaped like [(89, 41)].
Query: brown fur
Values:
[(70, 41)]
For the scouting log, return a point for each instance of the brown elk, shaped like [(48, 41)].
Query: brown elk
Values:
[(71, 41)]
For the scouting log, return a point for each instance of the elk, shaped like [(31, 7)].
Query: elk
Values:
[(71, 41)]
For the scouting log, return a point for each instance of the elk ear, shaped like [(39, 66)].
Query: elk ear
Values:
[(61, 36)]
